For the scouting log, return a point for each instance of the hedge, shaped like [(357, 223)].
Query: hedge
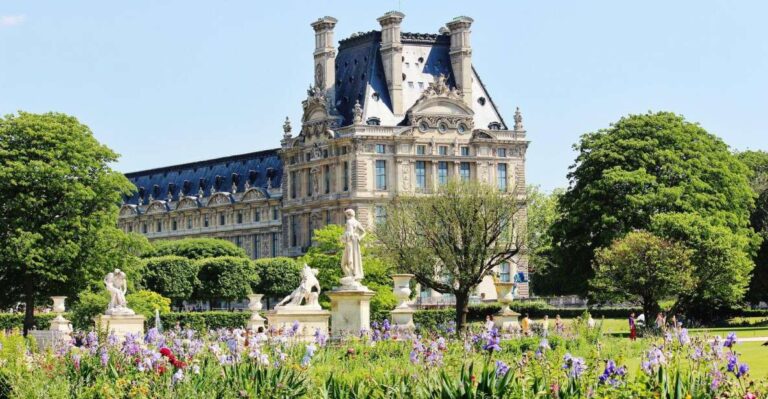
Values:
[(9, 321), (202, 321)]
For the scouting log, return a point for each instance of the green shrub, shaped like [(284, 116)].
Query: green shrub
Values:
[(145, 302), (171, 276), (10, 321), (227, 277), (196, 248), (89, 305), (278, 277), (202, 321)]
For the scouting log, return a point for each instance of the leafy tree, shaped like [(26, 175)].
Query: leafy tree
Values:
[(542, 213), (174, 277), (643, 268), (641, 166), (451, 240), (60, 200), (145, 302), (89, 305), (226, 277), (757, 162), (196, 248), (278, 277)]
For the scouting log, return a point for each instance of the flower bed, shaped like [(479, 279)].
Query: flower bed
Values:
[(382, 363)]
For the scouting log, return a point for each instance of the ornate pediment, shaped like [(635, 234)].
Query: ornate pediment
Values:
[(128, 210), (441, 108), (220, 198), (187, 203), (320, 117), (156, 206), (253, 194), (482, 134)]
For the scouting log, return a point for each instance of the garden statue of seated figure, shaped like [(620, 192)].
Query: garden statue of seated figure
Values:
[(117, 287), (306, 295)]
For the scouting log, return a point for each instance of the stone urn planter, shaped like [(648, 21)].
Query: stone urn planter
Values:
[(254, 305), (59, 323), (402, 289), (506, 319)]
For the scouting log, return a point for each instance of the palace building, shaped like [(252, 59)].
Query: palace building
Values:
[(389, 113)]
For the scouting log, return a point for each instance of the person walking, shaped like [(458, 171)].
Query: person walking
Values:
[(545, 326), (632, 327), (559, 327), (526, 325)]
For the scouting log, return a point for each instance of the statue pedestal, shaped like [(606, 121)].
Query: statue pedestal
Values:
[(61, 325), (506, 320), (255, 322), (350, 311), (309, 319), (121, 324), (402, 318)]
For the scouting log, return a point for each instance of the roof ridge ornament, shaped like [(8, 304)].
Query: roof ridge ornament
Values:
[(287, 127), (439, 88), (518, 120)]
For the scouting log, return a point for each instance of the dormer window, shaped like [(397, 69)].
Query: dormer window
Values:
[(373, 121), (494, 126)]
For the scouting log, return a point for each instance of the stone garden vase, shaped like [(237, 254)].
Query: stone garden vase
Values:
[(402, 289), (504, 294)]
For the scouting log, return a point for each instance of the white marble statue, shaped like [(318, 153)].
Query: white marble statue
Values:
[(308, 291), (352, 260), (117, 287)]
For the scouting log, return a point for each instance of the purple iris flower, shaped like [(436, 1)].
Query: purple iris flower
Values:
[(730, 340)]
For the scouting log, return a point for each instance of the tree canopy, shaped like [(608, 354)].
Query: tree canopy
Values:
[(452, 240), (226, 277), (278, 277), (196, 248), (174, 277), (640, 167), (60, 200), (757, 162), (542, 212), (643, 268)]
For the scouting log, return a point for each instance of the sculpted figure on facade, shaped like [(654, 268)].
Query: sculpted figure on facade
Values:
[(352, 259), (306, 294)]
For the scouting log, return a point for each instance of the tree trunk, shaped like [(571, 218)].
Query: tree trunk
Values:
[(29, 301), (462, 308)]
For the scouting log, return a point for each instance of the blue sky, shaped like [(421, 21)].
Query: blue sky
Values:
[(177, 81)]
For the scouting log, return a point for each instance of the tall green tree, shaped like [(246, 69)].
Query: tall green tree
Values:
[(641, 166), (757, 162), (174, 277), (59, 201), (452, 240), (542, 212), (643, 268)]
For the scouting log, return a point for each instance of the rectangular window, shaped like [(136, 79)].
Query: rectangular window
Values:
[(327, 178), (381, 148), (464, 171), (130, 228), (239, 241), (257, 215), (410, 85), (189, 222), (421, 85), (380, 214), (421, 175), (421, 149), (275, 213), (381, 175), (222, 219), (159, 227), (504, 273), (274, 245), (293, 184), (442, 150), (464, 151), (501, 152), (144, 228), (174, 225), (344, 150), (346, 175), (442, 172), (309, 183), (256, 246), (294, 230), (328, 217), (239, 217), (205, 221), (502, 176)]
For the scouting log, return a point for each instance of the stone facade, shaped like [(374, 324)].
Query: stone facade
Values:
[(389, 113)]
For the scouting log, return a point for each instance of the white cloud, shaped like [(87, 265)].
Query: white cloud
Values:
[(12, 20)]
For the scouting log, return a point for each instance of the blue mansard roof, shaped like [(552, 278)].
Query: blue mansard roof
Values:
[(256, 168)]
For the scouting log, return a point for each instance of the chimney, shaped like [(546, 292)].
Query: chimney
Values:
[(325, 54), (392, 57), (461, 55)]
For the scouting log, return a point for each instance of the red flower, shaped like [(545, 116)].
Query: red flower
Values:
[(166, 352)]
